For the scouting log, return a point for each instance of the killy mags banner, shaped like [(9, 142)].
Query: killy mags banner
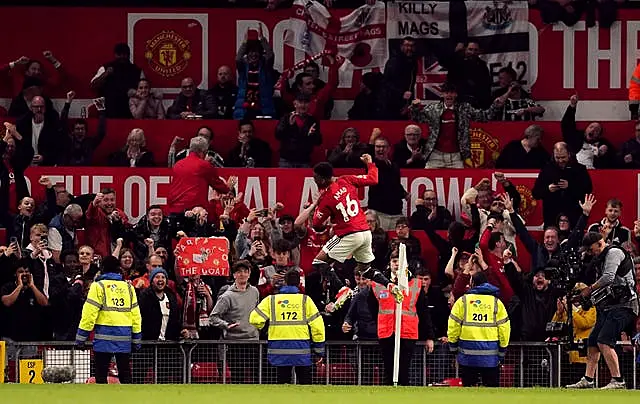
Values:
[(500, 29)]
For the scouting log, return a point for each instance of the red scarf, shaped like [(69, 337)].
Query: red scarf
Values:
[(190, 309)]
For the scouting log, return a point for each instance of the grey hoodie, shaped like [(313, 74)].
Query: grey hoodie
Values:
[(235, 306)]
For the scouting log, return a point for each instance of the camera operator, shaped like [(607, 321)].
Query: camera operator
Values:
[(616, 302)]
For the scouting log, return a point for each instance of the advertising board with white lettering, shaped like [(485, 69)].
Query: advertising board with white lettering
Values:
[(136, 189)]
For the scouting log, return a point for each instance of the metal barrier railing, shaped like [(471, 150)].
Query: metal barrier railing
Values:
[(345, 363)]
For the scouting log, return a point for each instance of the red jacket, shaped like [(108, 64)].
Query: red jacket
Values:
[(192, 177), (495, 274), (387, 310), (98, 235)]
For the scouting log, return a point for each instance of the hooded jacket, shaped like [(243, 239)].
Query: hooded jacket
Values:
[(234, 307)]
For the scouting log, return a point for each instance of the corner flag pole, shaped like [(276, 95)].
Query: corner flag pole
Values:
[(403, 283)]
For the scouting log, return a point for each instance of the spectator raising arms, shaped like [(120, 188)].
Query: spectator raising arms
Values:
[(588, 146), (449, 145), (114, 79), (254, 62), (298, 133), (78, 147)]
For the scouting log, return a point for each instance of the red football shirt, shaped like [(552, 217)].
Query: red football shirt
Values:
[(192, 177), (310, 246), (340, 202)]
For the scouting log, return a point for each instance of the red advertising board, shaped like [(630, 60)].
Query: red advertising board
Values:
[(168, 45), (487, 139), (138, 188)]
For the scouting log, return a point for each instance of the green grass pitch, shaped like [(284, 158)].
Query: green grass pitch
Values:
[(252, 394)]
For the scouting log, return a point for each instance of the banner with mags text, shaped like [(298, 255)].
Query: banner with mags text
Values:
[(500, 29)]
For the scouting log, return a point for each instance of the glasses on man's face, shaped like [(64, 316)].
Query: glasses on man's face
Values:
[(187, 87), (431, 199)]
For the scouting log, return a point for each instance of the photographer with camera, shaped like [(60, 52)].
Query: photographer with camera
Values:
[(614, 295)]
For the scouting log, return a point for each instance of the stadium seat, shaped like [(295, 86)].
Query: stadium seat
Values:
[(207, 372)]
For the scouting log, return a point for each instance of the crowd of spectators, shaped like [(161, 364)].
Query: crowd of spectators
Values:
[(45, 272)]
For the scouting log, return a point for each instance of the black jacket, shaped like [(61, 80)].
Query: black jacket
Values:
[(339, 159), (575, 140), (514, 156), (401, 154), (388, 194), (399, 76), (296, 145), (359, 315), (19, 162), (536, 307), (224, 99), (471, 78), (152, 316), (141, 231), (420, 218), (202, 104), (540, 256), (564, 200), (50, 140), (258, 150), (19, 107), (120, 159), (116, 86), (80, 153), (631, 147)]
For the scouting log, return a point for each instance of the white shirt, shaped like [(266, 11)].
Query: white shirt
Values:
[(586, 155), (164, 309), (55, 238), (36, 128)]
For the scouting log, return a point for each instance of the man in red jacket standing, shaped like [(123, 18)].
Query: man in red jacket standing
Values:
[(192, 177)]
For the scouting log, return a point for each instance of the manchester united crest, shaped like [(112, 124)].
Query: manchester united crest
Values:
[(485, 148), (168, 53), (528, 203)]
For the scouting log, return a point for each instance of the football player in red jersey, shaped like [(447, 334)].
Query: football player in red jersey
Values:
[(339, 202)]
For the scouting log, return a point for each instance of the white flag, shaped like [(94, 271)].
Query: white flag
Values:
[(359, 37)]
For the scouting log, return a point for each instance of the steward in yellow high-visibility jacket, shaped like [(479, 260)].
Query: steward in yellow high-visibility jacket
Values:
[(112, 311), (479, 332), (296, 330)]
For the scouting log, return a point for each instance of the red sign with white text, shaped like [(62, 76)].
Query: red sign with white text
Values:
[(206, 256), (597, 64), (136, 189)]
